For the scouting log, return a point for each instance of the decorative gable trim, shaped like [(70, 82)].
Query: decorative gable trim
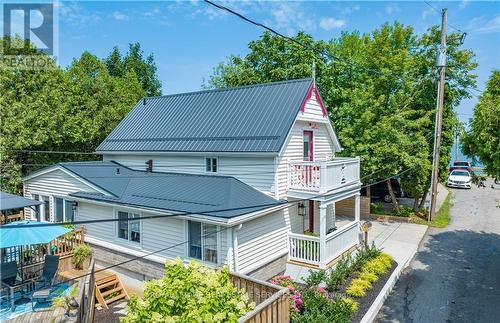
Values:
[(314, 89)]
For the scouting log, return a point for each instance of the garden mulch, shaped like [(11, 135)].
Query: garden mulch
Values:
[(366, 302)]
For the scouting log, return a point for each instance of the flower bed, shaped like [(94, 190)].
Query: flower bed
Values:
[(346, 287)]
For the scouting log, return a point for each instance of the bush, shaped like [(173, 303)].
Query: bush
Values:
[(315, 278), (371, 277), (353, 303), (404, 211), (377, 208), (296, 298), (365, 254), (379, 265), (80, 254), (337, 275), (320, 309), (191, 293), (358, 287)]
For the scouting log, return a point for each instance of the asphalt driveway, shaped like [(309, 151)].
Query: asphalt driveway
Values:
[(455, 276)]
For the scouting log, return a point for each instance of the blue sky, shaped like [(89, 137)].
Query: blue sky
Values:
[(189, 38)]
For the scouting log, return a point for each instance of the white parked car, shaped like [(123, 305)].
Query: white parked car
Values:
[(460, 178)]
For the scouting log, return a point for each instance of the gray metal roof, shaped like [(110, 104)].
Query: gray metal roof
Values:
[(220, 196), (254, 118), (11, 202)]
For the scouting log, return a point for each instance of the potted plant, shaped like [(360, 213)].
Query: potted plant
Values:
[(80, 254), (66, 301)]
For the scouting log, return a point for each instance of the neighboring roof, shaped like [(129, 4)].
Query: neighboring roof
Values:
[(10, 202), (254, 118), (220, 196)]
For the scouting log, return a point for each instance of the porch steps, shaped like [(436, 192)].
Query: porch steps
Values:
[(109, 289)]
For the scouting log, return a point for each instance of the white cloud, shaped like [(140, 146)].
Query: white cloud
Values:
[(463, 4), (73, 13), (153, 12), (428, 12), (484, 25), (331, 23), (392, 8), (119, 16), (347, 10)]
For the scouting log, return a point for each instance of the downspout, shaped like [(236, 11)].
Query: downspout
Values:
[(235, 248)]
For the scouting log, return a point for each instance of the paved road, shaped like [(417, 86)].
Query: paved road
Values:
[(455, 276)]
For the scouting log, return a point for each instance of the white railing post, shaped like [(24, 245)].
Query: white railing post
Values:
[(357, 207), (322, 178), (322, 236)]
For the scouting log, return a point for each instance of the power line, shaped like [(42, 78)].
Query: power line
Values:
[(439, 12), (207, 212)]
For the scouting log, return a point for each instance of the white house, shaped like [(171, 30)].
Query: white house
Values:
[(245, 177)]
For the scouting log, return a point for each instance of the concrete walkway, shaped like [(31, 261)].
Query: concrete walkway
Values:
[(401, 241)]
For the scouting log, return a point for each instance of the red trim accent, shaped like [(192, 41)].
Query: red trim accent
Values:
[(311, 216), (318, 98)]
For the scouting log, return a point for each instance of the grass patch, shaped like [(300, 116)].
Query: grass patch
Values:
[(442, 218)]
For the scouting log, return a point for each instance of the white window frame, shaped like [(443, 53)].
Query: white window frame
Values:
[(64, 200), (218, 239), (211, 165), (117, 224)]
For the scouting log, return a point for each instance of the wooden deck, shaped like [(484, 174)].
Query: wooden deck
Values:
[(43, 315)]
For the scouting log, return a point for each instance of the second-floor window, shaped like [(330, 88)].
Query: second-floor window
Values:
[(308, 145), (211, 165)]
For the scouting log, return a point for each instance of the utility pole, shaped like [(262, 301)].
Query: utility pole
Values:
[(441, 63)]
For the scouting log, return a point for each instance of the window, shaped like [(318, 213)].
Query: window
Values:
[(45, 208), (211, 165), (59, 209), (308, 145), (202, 241), (36, 208), (131, 229), (63, 210)]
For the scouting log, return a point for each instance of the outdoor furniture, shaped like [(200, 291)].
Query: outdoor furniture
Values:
[(49, 270), (9, 281), (42, 294)]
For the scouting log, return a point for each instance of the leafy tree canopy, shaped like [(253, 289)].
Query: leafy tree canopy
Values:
[(379, 88), (57, 109), (483, 138)]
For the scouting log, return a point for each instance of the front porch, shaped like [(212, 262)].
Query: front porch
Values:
[(323, 235)]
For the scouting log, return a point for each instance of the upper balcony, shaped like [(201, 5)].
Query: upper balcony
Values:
[(322, 176)]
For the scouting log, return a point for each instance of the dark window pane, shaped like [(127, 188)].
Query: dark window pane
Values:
[(208, 166), (68, 211), (210, 243), (135, 229), (122, 225), (58, 209), (46, 208), (214, 165), (194, 233), (36, 208)]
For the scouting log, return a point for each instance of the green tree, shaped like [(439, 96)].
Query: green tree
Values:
[(134, 61), (483, 138), (53, 109), (379, 89)]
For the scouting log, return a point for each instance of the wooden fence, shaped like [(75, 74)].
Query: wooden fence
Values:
[(86, 297), (272, 301), (65, 244), (8, 218)]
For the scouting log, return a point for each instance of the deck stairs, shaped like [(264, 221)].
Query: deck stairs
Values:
[(109, 288)]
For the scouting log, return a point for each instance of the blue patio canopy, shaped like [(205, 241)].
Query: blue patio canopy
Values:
[(20, 234), (11, 202)]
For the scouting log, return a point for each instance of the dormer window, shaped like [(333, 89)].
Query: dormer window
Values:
[(211, 165)]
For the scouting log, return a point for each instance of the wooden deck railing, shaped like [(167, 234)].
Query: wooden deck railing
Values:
[(272, 301), (65, 244), (4, 219)]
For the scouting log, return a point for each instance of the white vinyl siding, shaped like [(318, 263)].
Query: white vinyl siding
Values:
[(100, 230), (261, 241), (257, 172), (53, 184), (163, 233), (313, 110)]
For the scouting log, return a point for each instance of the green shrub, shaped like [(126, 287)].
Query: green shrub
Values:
[(80, 254), (404, 211), (363, 255), (337, 275), (320, 309), (315, 278), (378, 265), (377, 208), (353, 303), (358, 287), (192, 293), (368, 276)]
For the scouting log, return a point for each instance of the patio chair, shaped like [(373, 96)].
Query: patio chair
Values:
[(49, 271), (8, 277)]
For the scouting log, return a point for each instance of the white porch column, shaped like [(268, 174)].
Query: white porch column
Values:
[(357, 207), (322, 235)]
